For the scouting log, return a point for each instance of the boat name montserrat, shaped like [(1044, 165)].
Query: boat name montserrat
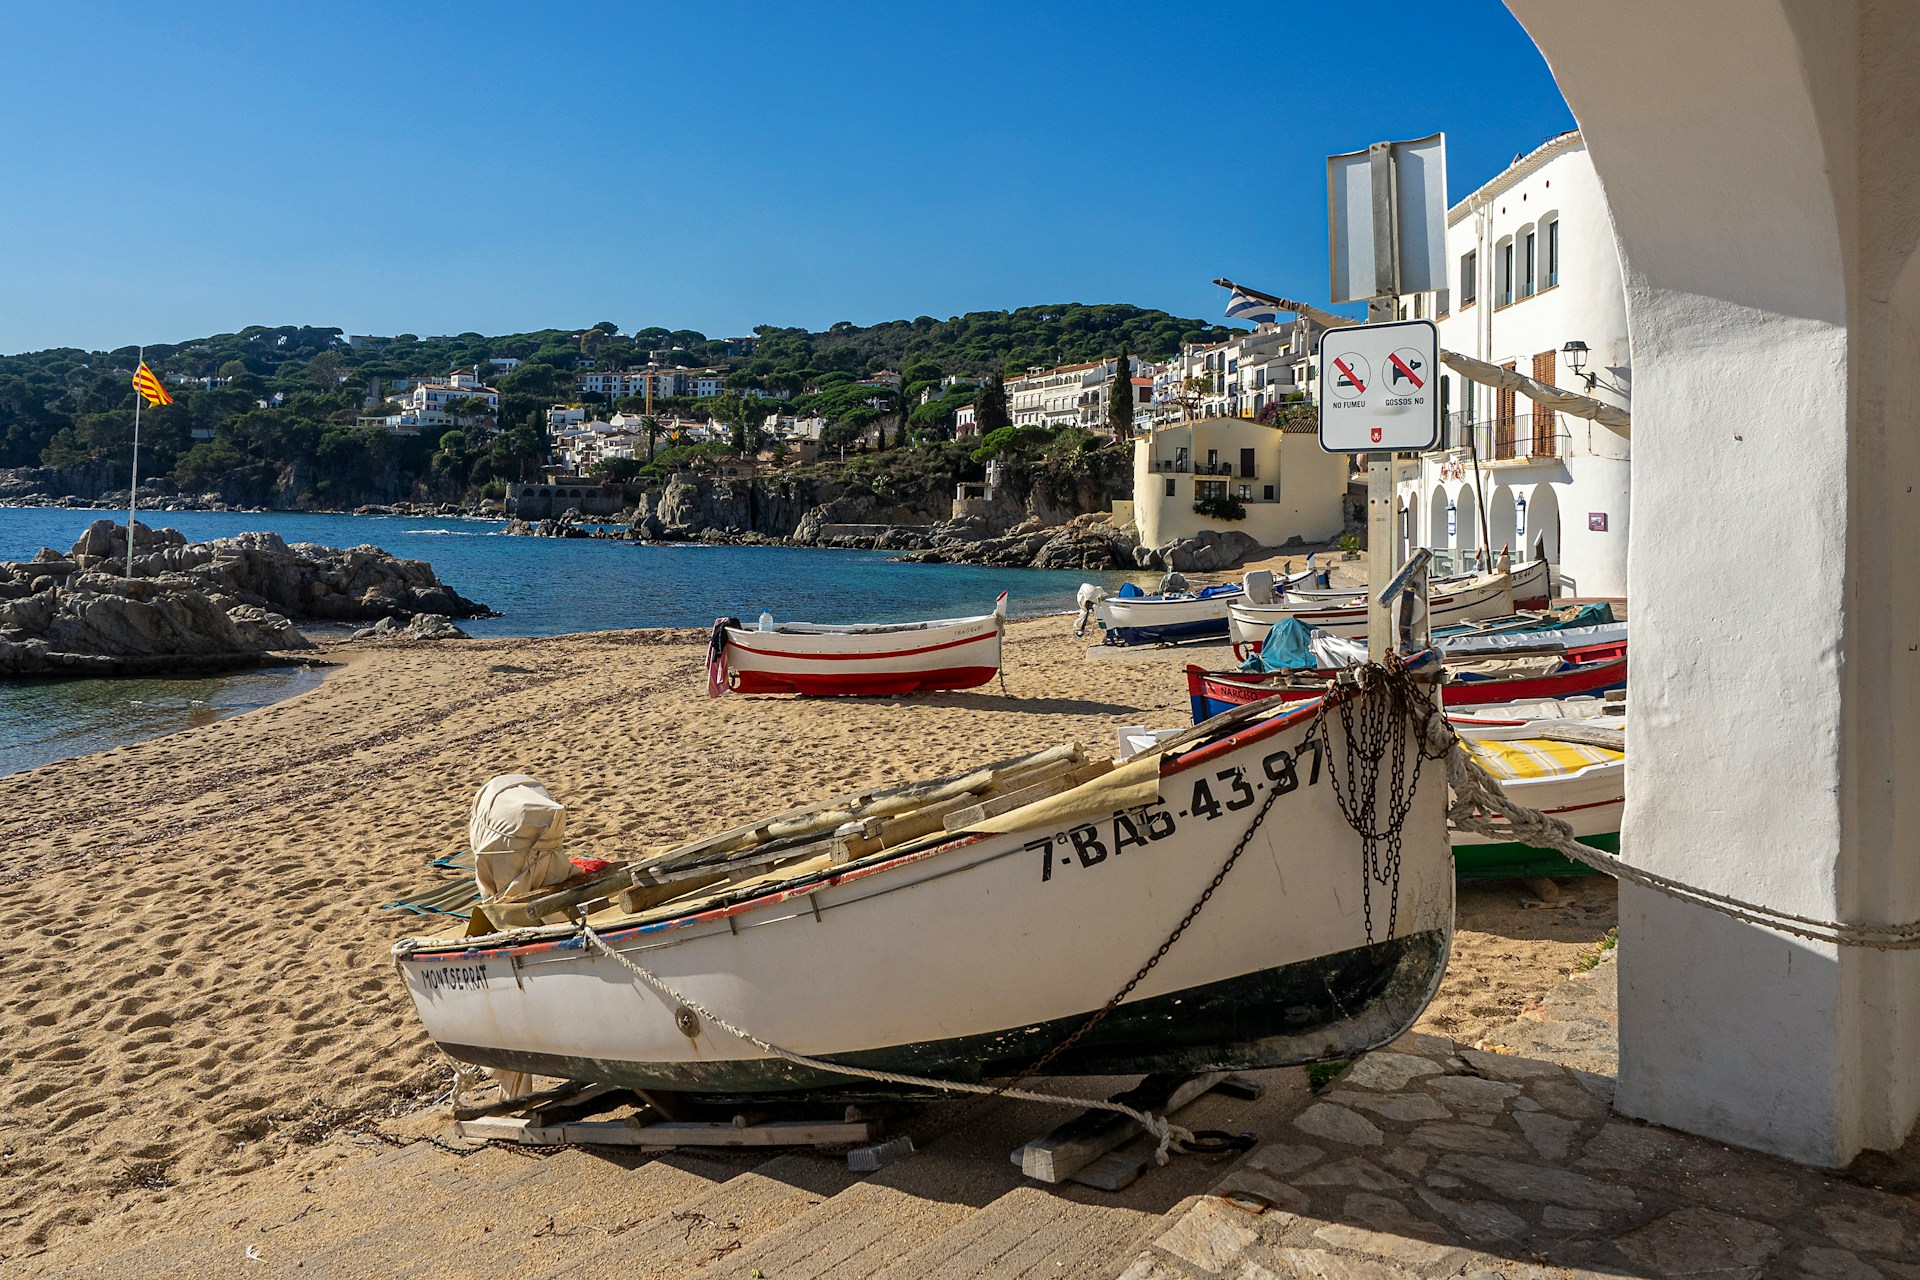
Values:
[(1141, 827), (454, 977)]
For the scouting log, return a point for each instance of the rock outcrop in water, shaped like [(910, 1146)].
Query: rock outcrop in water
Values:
[(196, 607)]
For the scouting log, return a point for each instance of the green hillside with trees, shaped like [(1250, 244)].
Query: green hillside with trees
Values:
[(277, 427)]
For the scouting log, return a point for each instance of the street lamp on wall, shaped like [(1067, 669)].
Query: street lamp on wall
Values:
[(1576, 354), (1520, 513)]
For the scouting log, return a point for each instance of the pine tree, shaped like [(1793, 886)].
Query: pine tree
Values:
[(991, 411), (1120, 398)]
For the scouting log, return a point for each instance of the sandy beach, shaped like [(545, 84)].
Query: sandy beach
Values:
[(199, 982)]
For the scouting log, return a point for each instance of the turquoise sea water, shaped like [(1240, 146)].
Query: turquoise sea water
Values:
[(541, 586)]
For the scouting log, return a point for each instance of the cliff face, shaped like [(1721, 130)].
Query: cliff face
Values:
[(804, 507)]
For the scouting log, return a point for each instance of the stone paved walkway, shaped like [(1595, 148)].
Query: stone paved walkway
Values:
[(1429, 1159)]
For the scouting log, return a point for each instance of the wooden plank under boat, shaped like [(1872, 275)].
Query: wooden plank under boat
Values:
[(969, 952), (859, 659)]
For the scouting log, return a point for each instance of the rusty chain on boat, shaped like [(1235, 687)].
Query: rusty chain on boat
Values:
[(1379, 732)]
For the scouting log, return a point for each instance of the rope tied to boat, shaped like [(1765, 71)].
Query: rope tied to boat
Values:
[(1164, 1132), (1480, 805)]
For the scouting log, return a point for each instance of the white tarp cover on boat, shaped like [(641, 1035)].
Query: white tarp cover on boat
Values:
[(517, 831)]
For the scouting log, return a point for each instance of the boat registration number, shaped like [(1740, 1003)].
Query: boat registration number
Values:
[(1214, 796)]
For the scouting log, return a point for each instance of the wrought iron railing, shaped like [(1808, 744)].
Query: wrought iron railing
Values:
[(1519, 437)]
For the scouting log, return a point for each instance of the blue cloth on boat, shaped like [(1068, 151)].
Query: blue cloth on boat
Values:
[(1219, 589), (1128, 591), (1588, 615), (1288, 646)]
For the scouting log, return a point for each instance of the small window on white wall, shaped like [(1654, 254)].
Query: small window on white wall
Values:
[(1550, 270), (1529, 266), (1504, 283)]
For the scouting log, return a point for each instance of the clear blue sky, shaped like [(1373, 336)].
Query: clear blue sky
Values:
[(411, 167)]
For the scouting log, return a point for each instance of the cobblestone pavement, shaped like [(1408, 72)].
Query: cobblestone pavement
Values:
[(1429, 1159)]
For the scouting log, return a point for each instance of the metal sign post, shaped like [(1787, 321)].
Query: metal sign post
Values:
[(1386, 236)]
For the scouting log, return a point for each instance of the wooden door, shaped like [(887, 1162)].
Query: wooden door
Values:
[(1545, 422), (1246, 464)]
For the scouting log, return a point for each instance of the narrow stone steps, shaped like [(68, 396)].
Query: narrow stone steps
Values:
[(558, 1208), (619, 1192), (172, 1249), (680, 1239), (1033, 1231)]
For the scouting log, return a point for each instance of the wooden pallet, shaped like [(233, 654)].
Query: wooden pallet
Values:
[(560, 1117), (1082, 1149)]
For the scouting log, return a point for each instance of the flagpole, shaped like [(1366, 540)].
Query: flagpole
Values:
[(133, 488)]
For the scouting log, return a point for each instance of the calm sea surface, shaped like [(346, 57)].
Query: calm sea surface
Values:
[(541, 586)]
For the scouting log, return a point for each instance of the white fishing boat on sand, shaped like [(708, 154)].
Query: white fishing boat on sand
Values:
[(963, 927), (1250, 619), (871, 659)]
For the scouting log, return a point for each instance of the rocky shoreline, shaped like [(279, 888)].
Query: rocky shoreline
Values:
[(198, 607)]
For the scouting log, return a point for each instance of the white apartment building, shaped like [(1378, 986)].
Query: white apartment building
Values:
[(622, 383), (1537, 289), (1238, 377), (1074, 395), (966, 421), (429, 398)]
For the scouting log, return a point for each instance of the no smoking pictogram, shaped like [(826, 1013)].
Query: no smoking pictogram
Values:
[(1351, 374)]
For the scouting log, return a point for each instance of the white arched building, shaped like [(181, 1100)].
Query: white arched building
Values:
[(1534, 268)]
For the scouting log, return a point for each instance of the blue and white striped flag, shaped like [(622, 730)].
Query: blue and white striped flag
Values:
[(1243, 307)]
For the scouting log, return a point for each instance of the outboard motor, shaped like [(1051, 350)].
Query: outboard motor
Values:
[(1258, 584)]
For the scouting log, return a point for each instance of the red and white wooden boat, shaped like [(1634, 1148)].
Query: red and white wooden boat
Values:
[(1586, 671), (871, 659)]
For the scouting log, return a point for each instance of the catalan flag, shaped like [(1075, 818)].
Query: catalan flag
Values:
[(149, 386)]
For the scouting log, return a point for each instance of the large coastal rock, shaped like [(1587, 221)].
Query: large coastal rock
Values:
[(1091, 541), (203, 606), (99, 624)]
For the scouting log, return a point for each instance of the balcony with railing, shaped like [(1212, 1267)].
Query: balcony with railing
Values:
[(1185, 466), (1519, 437)]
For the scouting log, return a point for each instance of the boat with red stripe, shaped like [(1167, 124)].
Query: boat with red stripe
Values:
[(875, 659)]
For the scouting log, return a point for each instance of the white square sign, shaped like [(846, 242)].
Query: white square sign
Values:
[(1377, 389)]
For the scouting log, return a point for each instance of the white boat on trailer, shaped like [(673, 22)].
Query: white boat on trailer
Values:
[(961, 928), (1249, 620), (1532, 587), (857, 658)]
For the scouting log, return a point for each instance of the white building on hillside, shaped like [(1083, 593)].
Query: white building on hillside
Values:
[(1074, 395), (428, 398), (1537, 289), (1236, 378)]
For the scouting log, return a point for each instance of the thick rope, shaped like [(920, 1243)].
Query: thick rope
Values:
[(1164, 1131), (1477, 794)]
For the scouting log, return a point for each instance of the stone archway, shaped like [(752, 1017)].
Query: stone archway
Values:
[(1543, 526), (1437, 537), (1500, 521), (1763, 173)]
